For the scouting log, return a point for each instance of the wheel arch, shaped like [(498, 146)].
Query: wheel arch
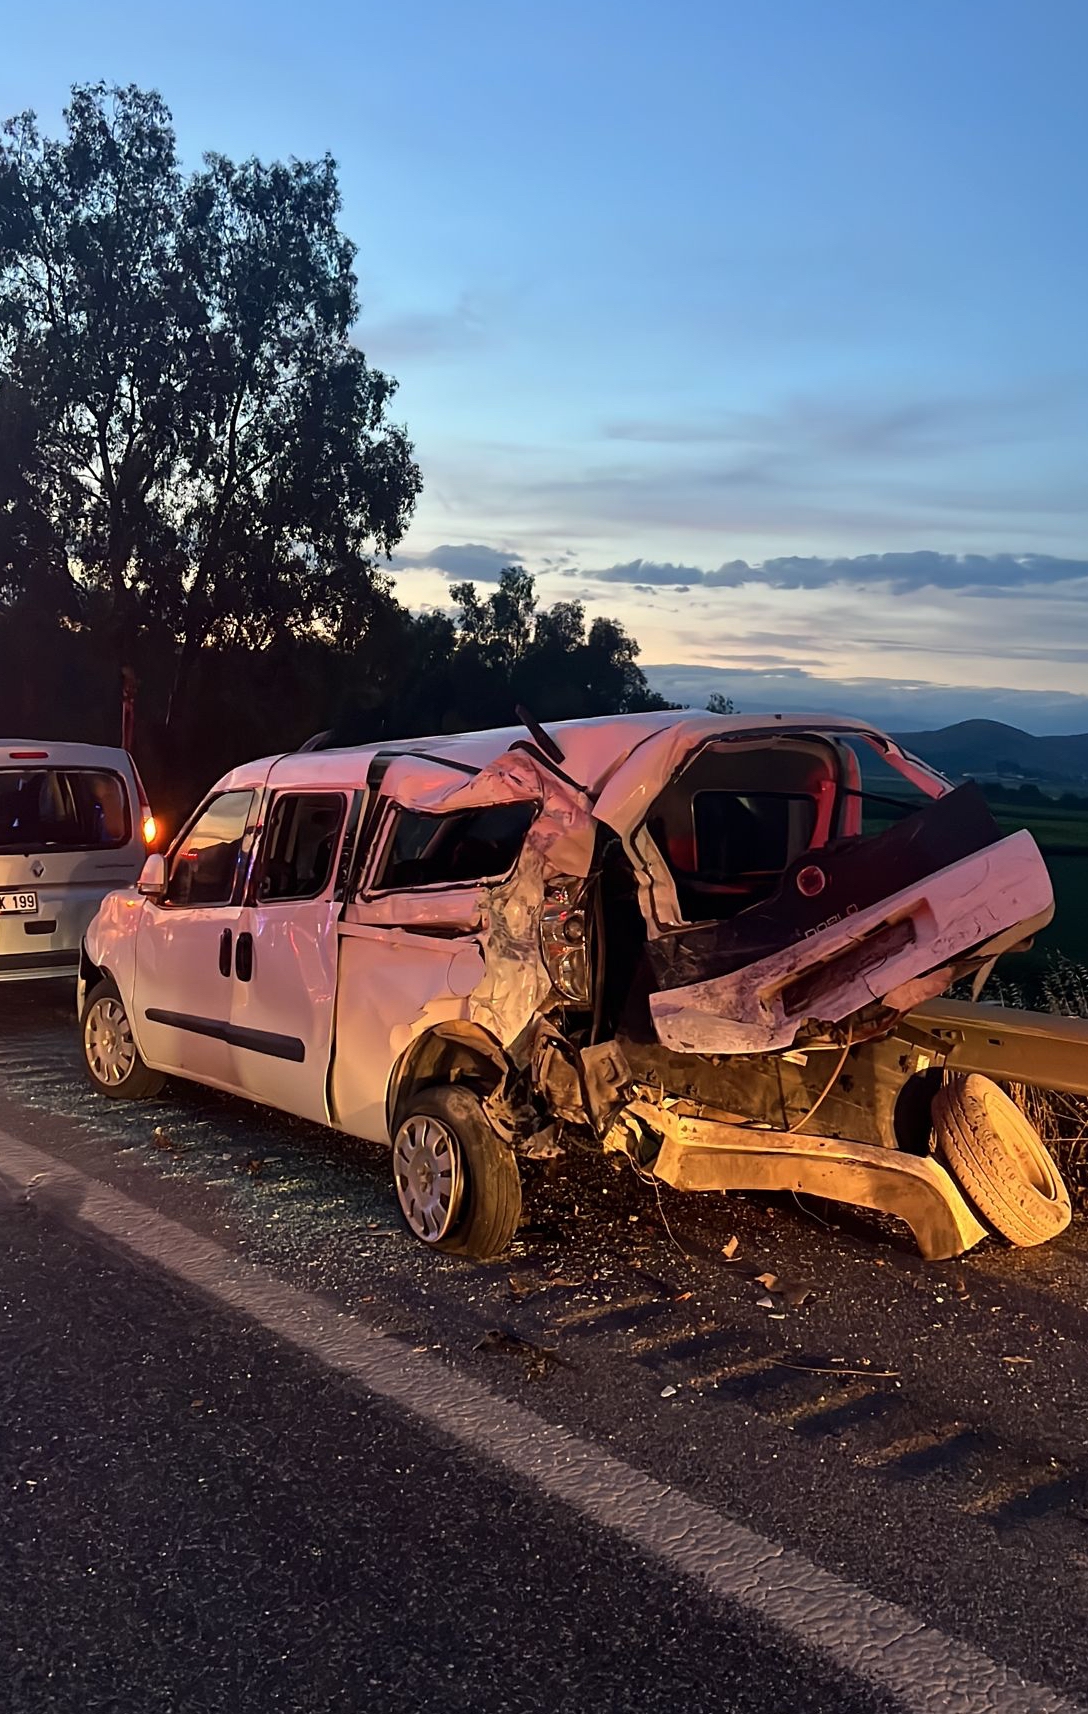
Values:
[(90, 973), (449, 1053)]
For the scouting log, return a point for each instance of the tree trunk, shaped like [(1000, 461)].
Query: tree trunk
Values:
[(128, 709)]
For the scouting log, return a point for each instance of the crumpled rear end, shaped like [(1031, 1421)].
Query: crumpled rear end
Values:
[(903, 914)]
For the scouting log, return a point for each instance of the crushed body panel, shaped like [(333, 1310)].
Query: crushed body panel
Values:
[(703, 1152), (869, 954)]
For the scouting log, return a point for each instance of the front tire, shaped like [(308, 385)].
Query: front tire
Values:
[(456, 1180), (110, 1053)]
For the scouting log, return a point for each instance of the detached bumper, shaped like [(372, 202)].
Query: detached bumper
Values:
[(702, 1153), (897, 952)]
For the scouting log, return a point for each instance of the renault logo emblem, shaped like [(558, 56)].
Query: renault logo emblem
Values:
[(37, 868)]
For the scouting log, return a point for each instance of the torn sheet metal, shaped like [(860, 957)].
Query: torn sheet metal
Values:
[(584, 1086), (562, 833), (513, 982), (854, 874), (863, 957)]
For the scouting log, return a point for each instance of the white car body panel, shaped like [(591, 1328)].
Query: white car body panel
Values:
[(947, 914)]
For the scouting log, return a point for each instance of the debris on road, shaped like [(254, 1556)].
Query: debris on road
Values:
[(660, 1287), (504, 1342), (866, 1374), (543, 1145)]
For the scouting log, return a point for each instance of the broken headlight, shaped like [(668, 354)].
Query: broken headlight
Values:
[(563, 938)]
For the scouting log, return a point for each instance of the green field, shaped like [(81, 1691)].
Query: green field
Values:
[(1062, 837), (1059, 832), (1068, 933)]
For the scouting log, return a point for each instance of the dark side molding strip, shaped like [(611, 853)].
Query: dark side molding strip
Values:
[(257, 1041)]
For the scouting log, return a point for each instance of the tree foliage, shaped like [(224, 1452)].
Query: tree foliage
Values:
[(199, 476), (201, 448)]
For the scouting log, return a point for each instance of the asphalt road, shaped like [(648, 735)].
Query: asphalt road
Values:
[(199, 1515)]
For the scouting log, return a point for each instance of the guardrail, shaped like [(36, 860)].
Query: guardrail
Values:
[(1013, 1047)]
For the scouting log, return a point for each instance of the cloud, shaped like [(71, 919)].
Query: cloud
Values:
[(470, 560), (897, 705), (807, 426), (462, 326), (642, 572), (902, 572)]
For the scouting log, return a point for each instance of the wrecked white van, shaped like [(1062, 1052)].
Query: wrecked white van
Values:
[(694, 936)]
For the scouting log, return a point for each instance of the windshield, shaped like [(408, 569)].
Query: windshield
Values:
[(68, 809)]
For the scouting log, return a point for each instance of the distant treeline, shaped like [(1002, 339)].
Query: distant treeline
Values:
[(1032, 796), (408, 676)]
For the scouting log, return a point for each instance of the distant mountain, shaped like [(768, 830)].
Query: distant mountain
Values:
[(989, 750)]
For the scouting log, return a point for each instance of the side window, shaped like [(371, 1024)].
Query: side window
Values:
[(878, 795), (206, 862), (443, 850), (298, 849)]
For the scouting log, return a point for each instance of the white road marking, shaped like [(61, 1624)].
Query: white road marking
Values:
[(861, 1634)]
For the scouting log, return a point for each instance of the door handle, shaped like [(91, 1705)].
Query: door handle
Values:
[(225, 952), (243, 957)]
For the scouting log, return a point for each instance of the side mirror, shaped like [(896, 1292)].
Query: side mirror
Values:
[(152, 882)]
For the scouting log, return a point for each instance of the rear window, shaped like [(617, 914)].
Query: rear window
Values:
[(442, 850), (746, 833), (62, 809)]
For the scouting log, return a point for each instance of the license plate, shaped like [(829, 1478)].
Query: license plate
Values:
[(18, 904)]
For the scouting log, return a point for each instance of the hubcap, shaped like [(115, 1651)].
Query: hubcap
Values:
[(428, 1176), (107, 1038)]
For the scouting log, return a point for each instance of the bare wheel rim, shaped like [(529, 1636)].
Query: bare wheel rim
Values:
[(428, 1175), (107, 1039)]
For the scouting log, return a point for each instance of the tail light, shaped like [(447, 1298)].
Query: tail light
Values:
[(563, 938), (148, 825)]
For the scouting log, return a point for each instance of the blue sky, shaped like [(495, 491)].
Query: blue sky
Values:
[(700, 310)]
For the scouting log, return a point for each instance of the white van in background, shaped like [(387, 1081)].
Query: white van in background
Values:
[(75, 824)]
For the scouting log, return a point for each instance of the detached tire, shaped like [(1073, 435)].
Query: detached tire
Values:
[(110, 1054), (997, 1158), (457, 1181)]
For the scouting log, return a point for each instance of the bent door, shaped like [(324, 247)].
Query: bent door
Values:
[(285, 960), (412, 944)]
